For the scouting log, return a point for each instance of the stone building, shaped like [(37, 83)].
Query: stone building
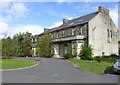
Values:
[(96, 29)]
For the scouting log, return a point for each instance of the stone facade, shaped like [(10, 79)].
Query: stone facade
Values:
[(96, 29)]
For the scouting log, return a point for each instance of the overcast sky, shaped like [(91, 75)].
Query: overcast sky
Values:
[(35, 16)]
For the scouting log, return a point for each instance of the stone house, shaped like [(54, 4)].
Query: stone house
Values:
[(96, 29)]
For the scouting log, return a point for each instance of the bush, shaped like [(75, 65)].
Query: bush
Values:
[(114, 55), (49, 56), (86, 53), (98, 59), (68, 55), (110, 59)]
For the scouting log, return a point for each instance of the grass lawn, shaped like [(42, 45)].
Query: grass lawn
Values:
[(15, 63), (103, 67)]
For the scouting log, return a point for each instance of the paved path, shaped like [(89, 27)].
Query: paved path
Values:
[(55, 71)]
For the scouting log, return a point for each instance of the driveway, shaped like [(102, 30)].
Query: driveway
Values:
[(55, 71)]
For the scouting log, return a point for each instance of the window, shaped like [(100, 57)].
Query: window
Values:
[(111, 33), (57, 35), (108, 33), (69, 32), (52, 36), (65, 33), (116, 35), (33, 39), (74, 32), (81, 31), (62, 33)]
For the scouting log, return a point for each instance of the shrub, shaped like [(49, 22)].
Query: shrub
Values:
[(49, 55), (68, 55), (114, 55), (98, 59), (86, 53), (110, 59)]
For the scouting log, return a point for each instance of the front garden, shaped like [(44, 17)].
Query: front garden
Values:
[(98, 64), (6, 64), (102, 66)]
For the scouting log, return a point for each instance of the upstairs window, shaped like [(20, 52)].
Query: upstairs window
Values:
[(74, 32), (69, 32), (108, 33), (81, 31), (111, 33), (52, 36), (116, 35), (65, 33), (62, 33), (33, 39), (36, 39), (57, 35)]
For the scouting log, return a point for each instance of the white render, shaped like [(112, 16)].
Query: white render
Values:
[(98, 35)]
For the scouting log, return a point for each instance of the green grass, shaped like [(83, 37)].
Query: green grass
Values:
[(103, 67), (110, 59), (15, 63)]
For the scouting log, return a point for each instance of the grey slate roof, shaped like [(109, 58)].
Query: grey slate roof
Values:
[(76, 21)]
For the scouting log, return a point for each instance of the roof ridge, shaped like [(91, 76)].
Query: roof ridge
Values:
[(84, 15), (76, 21)]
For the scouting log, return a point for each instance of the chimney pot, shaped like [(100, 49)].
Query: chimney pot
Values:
[(102, 9), (65, 21)]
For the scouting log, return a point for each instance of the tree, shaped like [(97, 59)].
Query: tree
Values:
[(7, 47), (20, 38), (27, 44), (45, 46), (86, 53), (16, 46)]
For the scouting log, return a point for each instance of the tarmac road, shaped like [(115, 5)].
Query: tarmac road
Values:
[(52, 70)]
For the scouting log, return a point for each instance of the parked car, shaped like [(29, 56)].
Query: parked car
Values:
[(116, 67)]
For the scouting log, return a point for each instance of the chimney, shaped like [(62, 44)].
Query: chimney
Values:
[(65, 21), (46, 29), (102, 9)]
